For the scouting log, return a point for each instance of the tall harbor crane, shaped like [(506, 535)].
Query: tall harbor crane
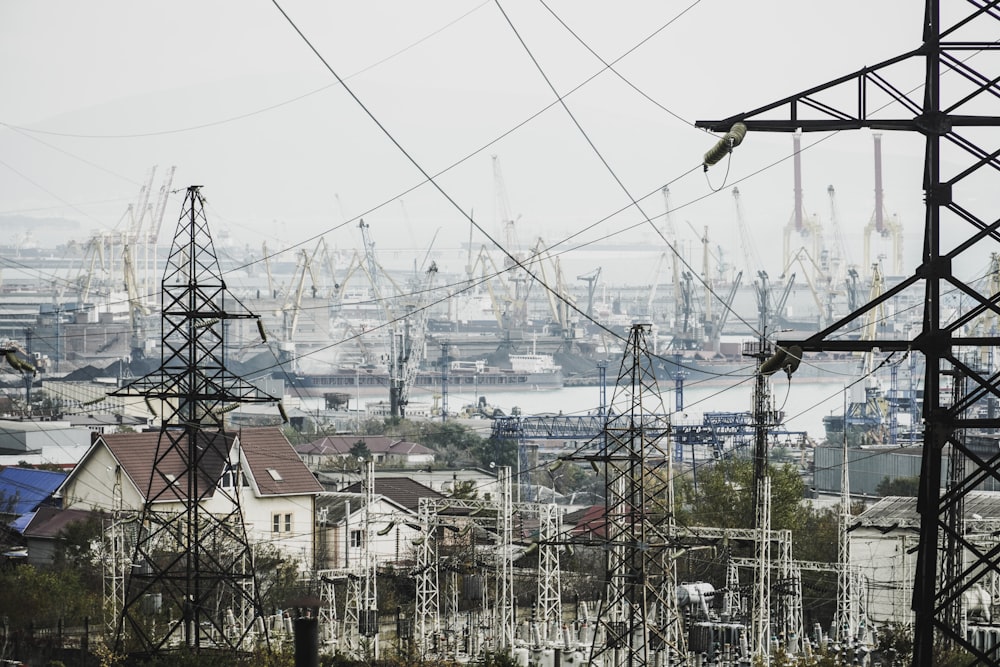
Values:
[(675, 262), (881, 223), (591, 279), (805, 226), (406, 320)]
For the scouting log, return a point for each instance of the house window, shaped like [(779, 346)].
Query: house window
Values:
[(356, 539), (281, 523), (275, 475), (229, 476)]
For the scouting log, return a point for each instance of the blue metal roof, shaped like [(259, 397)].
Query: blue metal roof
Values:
[(20, 523), (27, 487)]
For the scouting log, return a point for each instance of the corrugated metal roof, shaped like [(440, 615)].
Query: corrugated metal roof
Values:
[(899, 511), (20, 523), (28, 488)]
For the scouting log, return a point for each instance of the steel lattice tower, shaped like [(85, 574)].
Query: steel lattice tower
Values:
[(640, 617), (958, 116), (192, 581), (549, 606)]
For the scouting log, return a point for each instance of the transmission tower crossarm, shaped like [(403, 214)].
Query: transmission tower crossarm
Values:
[(836, 119), (821, 341)]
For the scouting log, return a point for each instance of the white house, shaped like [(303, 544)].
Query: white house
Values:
[(256, 466), (341, 530), (394, 522)]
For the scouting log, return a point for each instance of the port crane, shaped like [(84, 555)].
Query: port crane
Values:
[(675, 263), (807, 227), (409, 346), (591, 279), (406, 320), (881, 223), (559, 298)]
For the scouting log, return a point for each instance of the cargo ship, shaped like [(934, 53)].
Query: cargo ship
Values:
[(527, 372)]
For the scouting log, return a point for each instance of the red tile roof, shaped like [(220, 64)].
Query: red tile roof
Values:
[(267, 449), (264, 449), (401, 490), (138, 453), (591, 522), (340, 445)]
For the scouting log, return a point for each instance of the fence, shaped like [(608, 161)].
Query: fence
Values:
[(68, 643)]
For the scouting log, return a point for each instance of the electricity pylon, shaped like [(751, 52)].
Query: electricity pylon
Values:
[(640, 617), (192, 582), (959, 122)]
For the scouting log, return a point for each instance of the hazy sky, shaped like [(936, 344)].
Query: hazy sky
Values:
[(96, 93)]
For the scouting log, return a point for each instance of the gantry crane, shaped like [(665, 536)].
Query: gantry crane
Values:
[(558, 297), (805, 262), (654, 285), (412, 352), (516, 277)]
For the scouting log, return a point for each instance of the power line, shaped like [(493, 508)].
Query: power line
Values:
[(256, 112)]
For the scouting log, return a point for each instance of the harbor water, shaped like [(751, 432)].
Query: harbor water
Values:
[(804, 403)]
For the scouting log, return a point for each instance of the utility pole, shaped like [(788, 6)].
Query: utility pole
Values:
[(549, 607), (763, 420), (445, 363), (368, 599), (847, 626), (959, 125)]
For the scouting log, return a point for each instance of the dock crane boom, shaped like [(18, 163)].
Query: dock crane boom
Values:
[(591, 279), (415, 327), (727, 306)]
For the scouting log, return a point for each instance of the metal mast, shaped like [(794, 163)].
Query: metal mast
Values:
[(368, 597), (640, 618), (549, 611), (847, 625), (192, 580), (959, 123), (427, 618), (504, 571)]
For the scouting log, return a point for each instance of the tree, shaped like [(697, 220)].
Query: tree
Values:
[(76, 541), (43, 596), (464, 490), (898, 486), (722, 497), (359, 450)]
